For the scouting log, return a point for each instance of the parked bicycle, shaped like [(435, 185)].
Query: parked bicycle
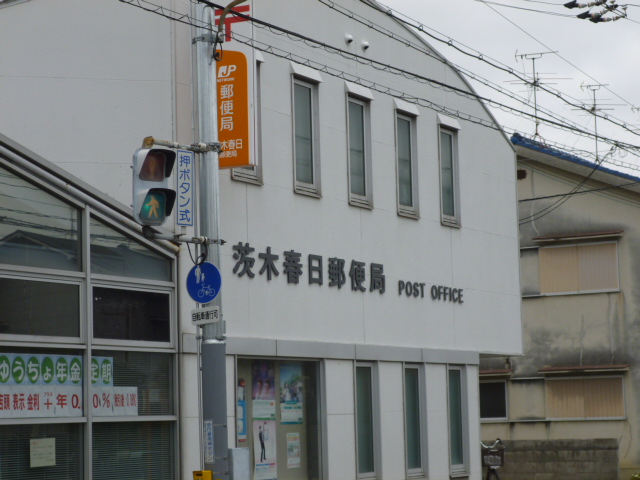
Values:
[(493, 458)]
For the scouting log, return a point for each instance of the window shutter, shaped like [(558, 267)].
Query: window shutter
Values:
[(597, 267), (558, 270)]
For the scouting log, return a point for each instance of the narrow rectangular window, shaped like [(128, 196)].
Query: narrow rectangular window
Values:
[(449, 177), (359, 161), (414, 420), (305, 134), (457, 422), (253, 174), (406, 166), (365, 421)]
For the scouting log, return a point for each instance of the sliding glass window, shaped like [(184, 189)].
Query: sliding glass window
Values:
[(450, 213), (359, 137), (305, 133), (414, 420), (458, 431), (406, 166), (366, 421)]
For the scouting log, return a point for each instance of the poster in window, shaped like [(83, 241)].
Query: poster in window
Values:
[(241, 411), (264, 450), (263, 389), (291, 394), (293, 450)]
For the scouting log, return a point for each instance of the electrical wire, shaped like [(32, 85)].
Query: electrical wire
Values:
[(538, 1), (558, 203), (397, 71), (555, 52), (528, 9), (386, 90), (494, 63), (423, 49), (354, 16), (358, 80), (630, 184)]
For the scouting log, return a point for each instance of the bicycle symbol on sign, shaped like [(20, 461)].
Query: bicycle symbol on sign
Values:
[(206, 291)]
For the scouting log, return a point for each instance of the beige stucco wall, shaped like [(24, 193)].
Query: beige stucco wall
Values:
[(580, 329)]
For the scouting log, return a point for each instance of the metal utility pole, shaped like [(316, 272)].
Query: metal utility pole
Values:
[(213, 358)]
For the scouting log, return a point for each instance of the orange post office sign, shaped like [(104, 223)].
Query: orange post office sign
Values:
[(232, 86)]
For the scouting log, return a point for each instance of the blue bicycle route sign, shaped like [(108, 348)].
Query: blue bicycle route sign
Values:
[(204, 282)]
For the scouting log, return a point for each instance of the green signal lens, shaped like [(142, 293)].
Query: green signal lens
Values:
[(154, 207)]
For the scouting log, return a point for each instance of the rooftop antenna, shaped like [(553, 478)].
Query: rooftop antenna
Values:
[(594, 108), (535, 83)]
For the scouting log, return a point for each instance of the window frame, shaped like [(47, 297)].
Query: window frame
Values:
[(312, 189), (375, 419), (253, 174), (459, 469), (420, 472), (506, 402), (445, 218), (85, 279), (411, 211), (355, 199)]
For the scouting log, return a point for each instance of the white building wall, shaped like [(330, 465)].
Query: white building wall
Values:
[(83, 83), (437, 421), (340, 419), (392, 433), (85, 87)]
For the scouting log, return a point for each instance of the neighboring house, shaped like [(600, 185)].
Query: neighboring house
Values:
[(371, 256), (579, 376)]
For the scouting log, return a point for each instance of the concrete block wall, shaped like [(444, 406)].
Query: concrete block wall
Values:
[(594, 459)]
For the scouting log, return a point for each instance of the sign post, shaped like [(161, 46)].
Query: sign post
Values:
[(213, 358)]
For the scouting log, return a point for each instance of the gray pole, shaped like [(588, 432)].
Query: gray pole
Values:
[(214, 395)]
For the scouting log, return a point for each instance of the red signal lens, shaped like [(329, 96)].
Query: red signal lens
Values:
[(154, 167)]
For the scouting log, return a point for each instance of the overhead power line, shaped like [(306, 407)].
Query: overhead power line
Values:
[(592, 190), (397, 71), (183, 18), (468, 51), (527, 9), (422, 48)]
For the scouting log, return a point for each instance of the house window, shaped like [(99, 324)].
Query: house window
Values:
[(253, 174), (450, 214), (585, 398), (406, 166), (359, 153), (458, 431), (366, 421), (305, 132), (414, 420), (493, 400), (579, 268)]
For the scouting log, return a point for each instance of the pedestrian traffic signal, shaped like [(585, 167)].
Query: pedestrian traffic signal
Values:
[(153, 200)]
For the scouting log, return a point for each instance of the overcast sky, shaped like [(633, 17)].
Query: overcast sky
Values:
[(587, 54)]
